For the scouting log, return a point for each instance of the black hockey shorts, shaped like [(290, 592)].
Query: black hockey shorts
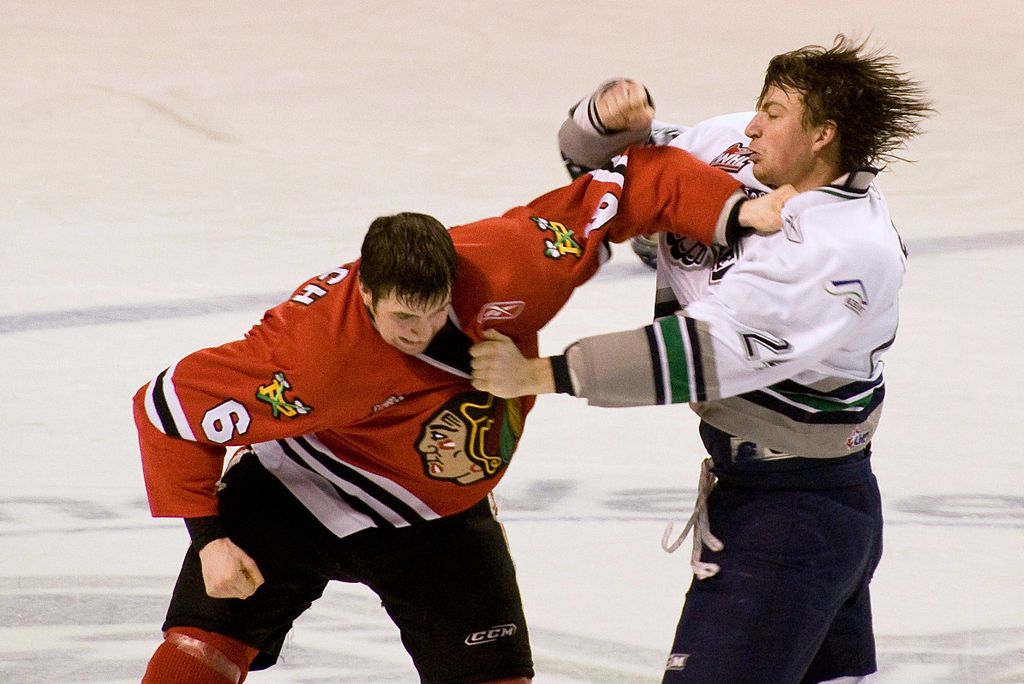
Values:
[(448, 584), (790, 604)]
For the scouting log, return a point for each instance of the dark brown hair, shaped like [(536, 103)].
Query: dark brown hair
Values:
[(410, 256), (875, 106)]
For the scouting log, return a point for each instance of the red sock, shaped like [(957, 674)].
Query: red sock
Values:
[(195, 656)]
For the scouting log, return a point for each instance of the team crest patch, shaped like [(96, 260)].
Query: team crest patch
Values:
[(273, 393), (562, 243), (471, 437)]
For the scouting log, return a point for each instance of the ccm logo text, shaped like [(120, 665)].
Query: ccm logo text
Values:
[(486, 636)]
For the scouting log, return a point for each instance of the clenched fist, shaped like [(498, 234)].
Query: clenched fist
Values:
[(625, 105), (228, 571)]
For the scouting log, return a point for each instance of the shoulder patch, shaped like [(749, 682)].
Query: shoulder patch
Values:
[(273, 393), (563, 241)]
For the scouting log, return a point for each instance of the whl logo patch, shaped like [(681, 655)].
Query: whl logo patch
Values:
[(734, 158), (490, 635)]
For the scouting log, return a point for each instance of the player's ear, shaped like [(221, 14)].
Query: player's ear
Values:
[(828, 133), (365, 294)]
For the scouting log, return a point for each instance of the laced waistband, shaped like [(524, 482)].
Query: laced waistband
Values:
[(698, 522)]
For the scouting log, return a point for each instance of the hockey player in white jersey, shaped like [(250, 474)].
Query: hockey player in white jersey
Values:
[(776, 343)]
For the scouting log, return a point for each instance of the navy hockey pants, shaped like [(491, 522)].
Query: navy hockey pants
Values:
[(790, 604)]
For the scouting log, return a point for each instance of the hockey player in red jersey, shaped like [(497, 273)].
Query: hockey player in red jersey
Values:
[(365, 455)]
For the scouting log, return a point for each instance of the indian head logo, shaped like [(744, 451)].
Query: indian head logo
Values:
[(733, 159), (470, 438)]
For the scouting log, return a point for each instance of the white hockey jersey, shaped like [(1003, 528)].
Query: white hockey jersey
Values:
[(777, 340)]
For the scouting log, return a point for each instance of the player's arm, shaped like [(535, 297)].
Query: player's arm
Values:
[(667, 189), (212, 399), (533, 257), (767, 322), (658, 189), (181, 472)]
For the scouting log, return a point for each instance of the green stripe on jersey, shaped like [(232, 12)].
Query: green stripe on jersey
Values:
[(676, 357), (819, 403)]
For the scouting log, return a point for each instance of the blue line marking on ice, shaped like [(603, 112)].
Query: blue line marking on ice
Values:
[(102, 315)]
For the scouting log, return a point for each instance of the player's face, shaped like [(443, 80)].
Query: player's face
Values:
[(782, 150), (407, 327)]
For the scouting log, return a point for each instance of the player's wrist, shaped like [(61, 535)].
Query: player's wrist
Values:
[(542, 377)]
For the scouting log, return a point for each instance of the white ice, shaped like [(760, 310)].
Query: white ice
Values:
[(168, 169)]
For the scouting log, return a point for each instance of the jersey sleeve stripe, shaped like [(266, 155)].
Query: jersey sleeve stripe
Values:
[(656, 366), (699, 388), (612, 172), (154, 412), (676, 360), (161, 415), (169, 396)]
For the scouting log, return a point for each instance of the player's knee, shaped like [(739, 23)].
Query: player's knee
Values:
[(196, 656)]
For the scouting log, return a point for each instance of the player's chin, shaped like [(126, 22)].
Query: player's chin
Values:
[(763, 174), (410, 347)]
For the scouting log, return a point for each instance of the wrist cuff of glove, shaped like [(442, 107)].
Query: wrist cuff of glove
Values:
[(204, 530), (733, 230), (560, 372)]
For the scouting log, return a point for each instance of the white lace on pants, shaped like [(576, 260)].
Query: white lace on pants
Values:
[(698, 522)]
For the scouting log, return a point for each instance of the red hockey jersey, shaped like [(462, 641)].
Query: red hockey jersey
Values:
[(365, 435)]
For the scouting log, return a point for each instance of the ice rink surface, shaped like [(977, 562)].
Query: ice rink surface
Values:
[(169, 169)]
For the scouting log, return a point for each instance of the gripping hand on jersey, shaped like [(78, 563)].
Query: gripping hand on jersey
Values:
[(764, 213), (228, 571), (501, 369)]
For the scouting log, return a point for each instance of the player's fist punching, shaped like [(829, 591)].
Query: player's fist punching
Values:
[(625, 105)]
